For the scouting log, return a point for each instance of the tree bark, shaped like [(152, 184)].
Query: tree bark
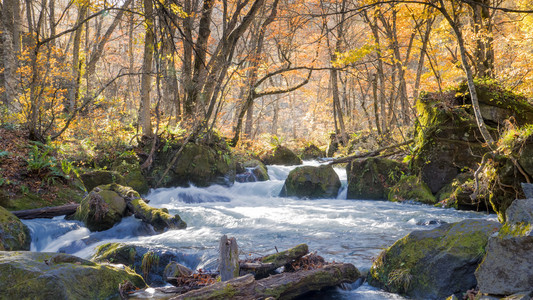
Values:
[(146, 77), (74, 86), (46, 212), (229, 258)]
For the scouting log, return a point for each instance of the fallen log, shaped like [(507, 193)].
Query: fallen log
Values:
[(46, 212), (159, 218), (281, 286), (368, 154), (266, 265)]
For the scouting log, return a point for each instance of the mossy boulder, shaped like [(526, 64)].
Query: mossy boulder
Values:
[(201, 164), (433, 264), (312, 152), (104, 206), (14, 235), (93, 179), (132, 176), (41, 275), (174, 269), (150, 262), (281, 155), (312, 182), (250, 170), (507, 267), (411, 188), (372, 178), (457, 194)]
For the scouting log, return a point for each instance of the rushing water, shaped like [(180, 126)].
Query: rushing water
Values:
[(352, 231)]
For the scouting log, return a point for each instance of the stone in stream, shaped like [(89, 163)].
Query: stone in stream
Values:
[(251, 170), (14, 235), (281, 156), (41, 275), (371, 178), (312, 182), (433, 264)]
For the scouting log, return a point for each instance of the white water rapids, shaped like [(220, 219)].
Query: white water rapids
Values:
[(352, 231)]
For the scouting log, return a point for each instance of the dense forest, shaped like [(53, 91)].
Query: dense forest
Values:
[(157, 126)]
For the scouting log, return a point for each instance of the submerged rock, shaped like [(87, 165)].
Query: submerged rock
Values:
[(281, 156), (251, 170), (41, 275), (312, 182), (433, 264), (372, 178), (14, 235)]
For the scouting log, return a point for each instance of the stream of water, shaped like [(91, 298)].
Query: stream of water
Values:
[(352, 231)]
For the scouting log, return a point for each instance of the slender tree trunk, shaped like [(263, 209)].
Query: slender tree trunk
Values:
[(483, 56), (375, 95), (74, 86), (423, 51), (146, 77), (469, 75)]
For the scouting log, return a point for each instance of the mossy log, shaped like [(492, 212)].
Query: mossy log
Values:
[(266, 265), (159, 218), (281, 286), (46, 212)]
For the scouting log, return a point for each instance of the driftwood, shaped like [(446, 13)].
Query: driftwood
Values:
[(369, 154), (281, 286), (229, 258), (46, 212), (266, 265), (159, 218)]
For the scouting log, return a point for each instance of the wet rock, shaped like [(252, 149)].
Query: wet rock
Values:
[(251, 170), (14, 235), (174, 269), (281, 156), (411, 188), (433, 264), (41, 275), (372, 178), (152, 263), (312, 182)]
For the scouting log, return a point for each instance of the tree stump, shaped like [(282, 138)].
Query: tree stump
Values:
[(229, 258)]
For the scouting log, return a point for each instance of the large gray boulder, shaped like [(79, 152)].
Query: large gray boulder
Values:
[(508, 265), (312, 182), (433, 264), (281, 156), (14, 235), (41, 275)]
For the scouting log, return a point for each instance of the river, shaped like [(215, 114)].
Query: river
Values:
[(352, 231)]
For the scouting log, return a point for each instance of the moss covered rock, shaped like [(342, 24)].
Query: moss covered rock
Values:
[(93, 179), (433, 264), (42, 275), (251, 170), (200, 164), (372, 178), (312, 182), (312, 152), (150, 262), (14, 235), (411, 188), (104, 206), (281, 156)]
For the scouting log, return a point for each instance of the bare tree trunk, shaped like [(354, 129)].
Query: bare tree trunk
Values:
[(375, 95), (454, 23), (10, 40), (146, 77), (74, 86), (483, 56), (423, 51), (229, 258)]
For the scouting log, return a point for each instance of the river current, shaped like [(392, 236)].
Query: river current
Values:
[(352, 231)]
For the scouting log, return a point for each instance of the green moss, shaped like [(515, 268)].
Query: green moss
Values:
[(14, 235), (411, 188), (117, 253), (150, 260), (280, 258), (515, 230), (373, 177)]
